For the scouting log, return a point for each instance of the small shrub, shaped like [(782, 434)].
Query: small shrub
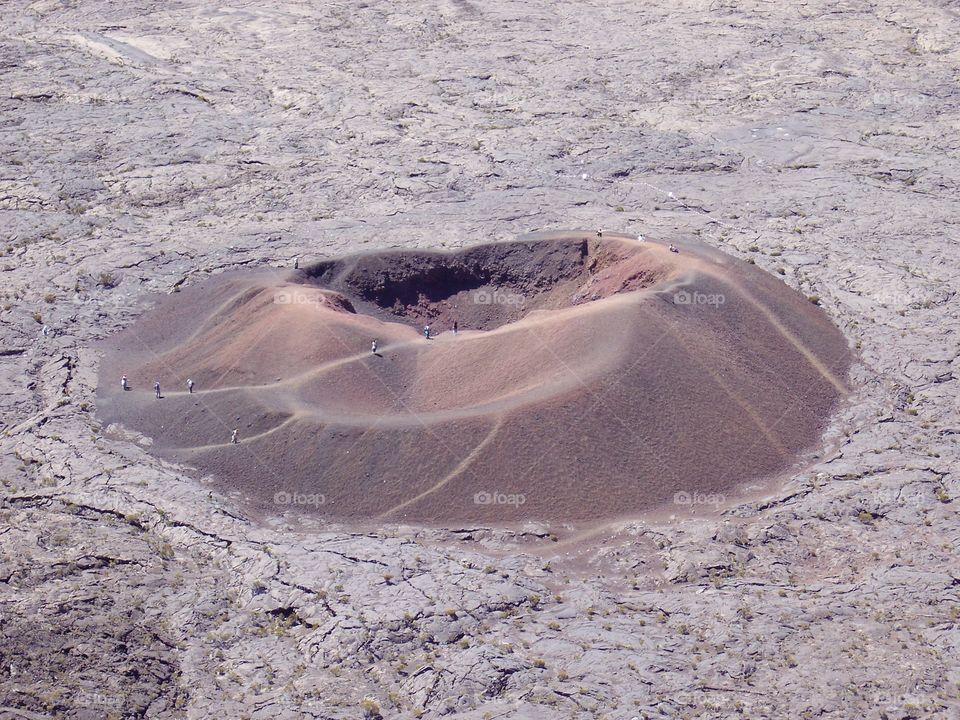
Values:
[(370, 708)]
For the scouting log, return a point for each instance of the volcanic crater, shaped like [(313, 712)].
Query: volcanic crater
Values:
[(590, 378)]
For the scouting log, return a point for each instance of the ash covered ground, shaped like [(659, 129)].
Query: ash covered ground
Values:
[(145, 146)]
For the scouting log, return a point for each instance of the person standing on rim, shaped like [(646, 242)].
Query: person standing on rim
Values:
[(124, 384), (156, 388), (190, 386)]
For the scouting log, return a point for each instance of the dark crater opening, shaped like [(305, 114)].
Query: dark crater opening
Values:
[(481, 288)]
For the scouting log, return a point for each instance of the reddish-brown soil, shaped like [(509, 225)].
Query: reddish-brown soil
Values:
[(591, 378)]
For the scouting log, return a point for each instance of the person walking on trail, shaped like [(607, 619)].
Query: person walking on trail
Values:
[(233, 437), (426, 331), (373, 347), (456, 326), (600, 232), (190, 386), (124, 385), (156, 388)]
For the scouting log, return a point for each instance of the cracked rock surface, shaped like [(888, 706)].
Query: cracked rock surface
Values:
[(145, 145)]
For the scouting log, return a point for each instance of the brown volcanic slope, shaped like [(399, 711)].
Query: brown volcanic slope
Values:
[(593, 377)]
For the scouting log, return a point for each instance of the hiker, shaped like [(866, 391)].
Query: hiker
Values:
[(123, 383), (190, 386), (426, 331), (673, 248), (233, 437), (156, 388), (46, 331), (373, 347), (456, 325), (600, 232)]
